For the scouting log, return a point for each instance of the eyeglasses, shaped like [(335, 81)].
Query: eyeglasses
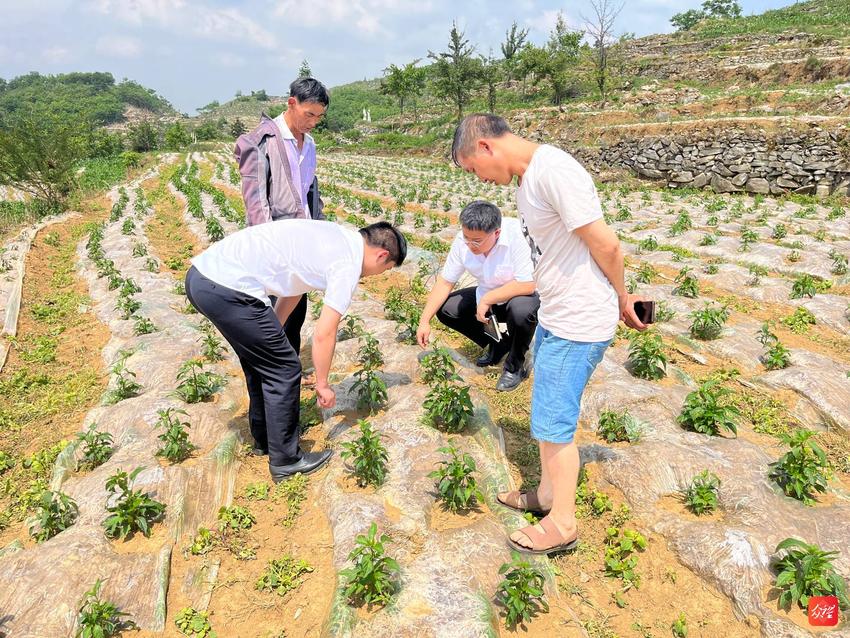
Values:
[(476, 243)]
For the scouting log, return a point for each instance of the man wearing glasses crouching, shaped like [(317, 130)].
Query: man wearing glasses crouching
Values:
[(493, 250)]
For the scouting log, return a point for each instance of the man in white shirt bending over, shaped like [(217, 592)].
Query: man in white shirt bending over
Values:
[(579, 275), (230, 284), (493, 250)]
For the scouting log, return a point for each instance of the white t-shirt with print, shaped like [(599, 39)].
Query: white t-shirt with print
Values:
[(556, 196), (509, 260), (286, 258)]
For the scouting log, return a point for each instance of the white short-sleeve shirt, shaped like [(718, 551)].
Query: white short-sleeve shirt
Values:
[(509, 260), (286, 258), (556, 196)]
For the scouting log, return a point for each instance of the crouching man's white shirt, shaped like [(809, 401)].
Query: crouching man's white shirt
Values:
[(287, 258)]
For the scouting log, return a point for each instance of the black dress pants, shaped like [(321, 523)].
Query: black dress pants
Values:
[(520, 313), (270, 363)]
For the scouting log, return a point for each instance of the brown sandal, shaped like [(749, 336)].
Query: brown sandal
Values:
[(548, 542), (522, 501)]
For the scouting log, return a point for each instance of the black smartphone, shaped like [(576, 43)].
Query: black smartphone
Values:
[(645, 311)]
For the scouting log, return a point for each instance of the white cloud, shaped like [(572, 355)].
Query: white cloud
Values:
[(231, 24), (188, 16), (56, 55), (366, 15), (140, 11), (118, 46), (545, 22)]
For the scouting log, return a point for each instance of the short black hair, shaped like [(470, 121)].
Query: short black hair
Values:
[(481, 215), (309, 90), (473, 128), (385, 235)]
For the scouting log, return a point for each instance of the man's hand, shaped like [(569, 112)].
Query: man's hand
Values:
[(627, 311), (423, 333), (481, 311), (325, 396)]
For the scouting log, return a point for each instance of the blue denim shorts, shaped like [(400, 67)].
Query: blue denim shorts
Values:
[(562, 369)]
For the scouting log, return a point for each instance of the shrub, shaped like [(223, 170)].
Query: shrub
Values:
[(352, 326), (369, 456), (124, 382), (805, 571), (191, 622), (688, 284), (257, 491), (175, 440), (646, 355), (235, 517), (776, 356), (371, 390), (456, 484), (98, 447), (615, 427), (806, 285), (143, 326), (521, 590), (708, 323), (804, 469), (437, 366), (706, 410), (99, 618), (56, 512), (800, 320), (702, 494), (372, 577), (202, 543), (282, 575), (132, 510), (195, 384), (448, 405), (620, 561)]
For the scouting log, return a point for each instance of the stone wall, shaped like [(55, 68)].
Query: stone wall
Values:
[(729, 159)]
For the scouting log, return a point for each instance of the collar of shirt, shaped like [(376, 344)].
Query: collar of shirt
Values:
[(287, 134)]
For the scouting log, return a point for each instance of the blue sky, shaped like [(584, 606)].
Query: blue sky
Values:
[(196, 51)]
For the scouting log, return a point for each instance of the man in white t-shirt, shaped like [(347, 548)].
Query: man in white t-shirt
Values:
[(493, 250), (230, 284), (579, 275)]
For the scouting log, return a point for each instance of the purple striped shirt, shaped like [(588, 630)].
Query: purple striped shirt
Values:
[(303, 162)]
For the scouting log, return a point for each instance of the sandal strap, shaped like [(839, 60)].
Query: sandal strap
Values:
[(550, 537), (512, 499)]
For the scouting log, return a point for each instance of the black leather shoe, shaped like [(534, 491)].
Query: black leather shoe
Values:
[(510, 380), (309, 462), (259, 451), (490, 358)]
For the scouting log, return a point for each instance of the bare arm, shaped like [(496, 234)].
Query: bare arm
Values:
[(436, 298), (604, 246), (501, 295), (324, 342)]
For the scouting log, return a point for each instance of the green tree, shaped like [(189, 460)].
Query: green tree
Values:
[(39, 155), (456, 71), (491, 74), (238, 127), (554, 62), (209, 130), (600, 29), (722, 8), (404, 83), (305, 71), (209, 107), (177, 137), (515, 39), (102, 143), (143, 136)]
